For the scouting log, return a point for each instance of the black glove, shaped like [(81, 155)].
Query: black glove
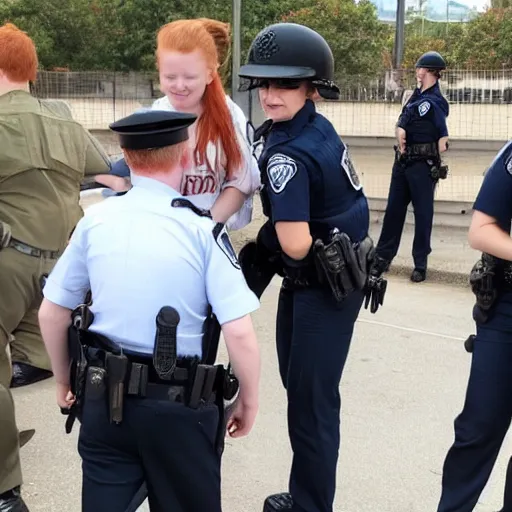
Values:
[(376, 286), (258, 265)]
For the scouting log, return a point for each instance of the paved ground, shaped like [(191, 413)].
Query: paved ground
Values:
[(404, 383)]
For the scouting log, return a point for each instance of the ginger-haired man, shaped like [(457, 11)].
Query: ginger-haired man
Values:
[(43, 157)]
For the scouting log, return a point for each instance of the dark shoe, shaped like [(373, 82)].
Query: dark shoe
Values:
[(277, 503), (11, 501), (24, 374), (25, 436), (418, 275)]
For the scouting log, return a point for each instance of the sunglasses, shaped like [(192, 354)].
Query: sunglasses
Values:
[(278, 83)]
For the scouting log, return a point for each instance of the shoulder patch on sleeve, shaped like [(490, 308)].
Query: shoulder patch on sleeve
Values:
[(224, 242), (423, 108), (280, 170), (502, 160), (180, 202), (509, 165), (348, 167)]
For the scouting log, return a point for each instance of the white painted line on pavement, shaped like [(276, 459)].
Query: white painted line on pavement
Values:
[(418, 331)]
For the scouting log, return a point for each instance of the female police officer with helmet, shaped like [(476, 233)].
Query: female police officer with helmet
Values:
[(422, 136), (316, 210)]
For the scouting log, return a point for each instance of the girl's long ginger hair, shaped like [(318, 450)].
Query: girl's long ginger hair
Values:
[(212, 38)]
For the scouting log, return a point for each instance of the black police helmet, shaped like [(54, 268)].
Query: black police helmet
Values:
[(291, 51), (431, 60)]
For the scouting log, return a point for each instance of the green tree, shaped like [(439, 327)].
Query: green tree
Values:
[(102, 34), (501, 4), (356, 36), (487, 41)]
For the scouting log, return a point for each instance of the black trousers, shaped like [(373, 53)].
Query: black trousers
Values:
[(169, 446), (411, 183), (313, 339), (481, 426)]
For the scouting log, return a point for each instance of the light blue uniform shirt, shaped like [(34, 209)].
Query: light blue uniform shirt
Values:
[(137, 253)]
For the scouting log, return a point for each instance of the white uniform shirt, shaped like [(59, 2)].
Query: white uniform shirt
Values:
[(137, 253), (203, 187)]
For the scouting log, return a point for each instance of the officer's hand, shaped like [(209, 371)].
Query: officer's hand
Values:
[(400, 136), (443, 144), (116, 183), (65, 398), (242, 418)]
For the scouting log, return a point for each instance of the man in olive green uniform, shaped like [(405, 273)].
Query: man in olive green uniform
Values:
[(44, 155)]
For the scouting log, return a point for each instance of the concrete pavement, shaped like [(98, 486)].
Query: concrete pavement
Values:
[(403, 386)]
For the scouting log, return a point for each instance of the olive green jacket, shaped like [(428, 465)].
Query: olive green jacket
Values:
[(44, 155)]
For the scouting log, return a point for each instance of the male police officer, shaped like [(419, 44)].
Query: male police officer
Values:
[(155, 266), (422, 136), (43, 158), (316, 236)]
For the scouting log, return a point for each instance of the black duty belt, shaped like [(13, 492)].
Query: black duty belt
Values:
[(192, 382), (426, 150), (29, 250)]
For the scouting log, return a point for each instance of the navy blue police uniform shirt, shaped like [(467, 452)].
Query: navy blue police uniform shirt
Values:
[(495, 195), (424, 116), (494, 199), (307, 176)]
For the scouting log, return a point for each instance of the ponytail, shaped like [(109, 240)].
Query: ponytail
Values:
[(216, 125)]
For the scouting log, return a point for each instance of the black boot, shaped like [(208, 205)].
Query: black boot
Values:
[(11, 501), (418, 275), (24, 374), (277, 503)]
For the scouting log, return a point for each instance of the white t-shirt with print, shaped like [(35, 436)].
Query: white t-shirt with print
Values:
[(203, 186)]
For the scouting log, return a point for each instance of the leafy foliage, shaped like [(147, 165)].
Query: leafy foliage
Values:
[(120, 34)]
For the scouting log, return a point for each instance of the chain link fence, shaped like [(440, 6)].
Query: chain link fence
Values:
[(461, 86), (480, 110)]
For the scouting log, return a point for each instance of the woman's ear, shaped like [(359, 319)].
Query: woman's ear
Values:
[(209, 76), (313, 95)]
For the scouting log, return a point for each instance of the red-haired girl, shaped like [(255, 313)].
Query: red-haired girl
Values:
[(223, 175)]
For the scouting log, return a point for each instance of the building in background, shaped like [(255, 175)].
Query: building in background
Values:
[(432, 10)]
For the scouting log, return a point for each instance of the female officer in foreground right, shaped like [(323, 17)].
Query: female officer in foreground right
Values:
[(316, 210), (485, 418)]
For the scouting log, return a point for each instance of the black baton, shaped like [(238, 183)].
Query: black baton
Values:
[(164, 353)]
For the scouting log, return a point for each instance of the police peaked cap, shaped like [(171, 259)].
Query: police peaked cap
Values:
[(289, 50), (431, 60), (152, 129)]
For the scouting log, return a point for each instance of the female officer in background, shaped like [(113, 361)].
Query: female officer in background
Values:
[(422, 136), (309, 189), (485, 419)]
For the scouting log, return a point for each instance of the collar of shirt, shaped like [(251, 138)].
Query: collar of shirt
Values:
[(434, 89), (154, 186), (295, 125), (17, 97)]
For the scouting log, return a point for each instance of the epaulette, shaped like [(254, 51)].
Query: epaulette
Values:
[(180, 202), (224, 242)]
